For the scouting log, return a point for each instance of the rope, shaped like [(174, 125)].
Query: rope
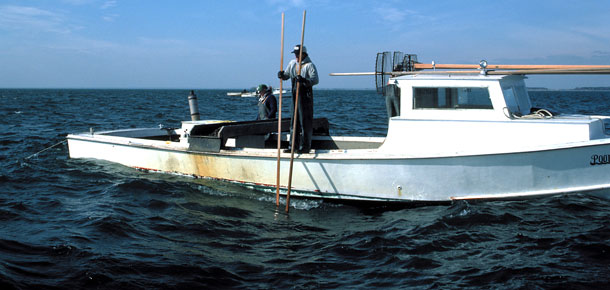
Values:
[(64, 141), (538, 114)]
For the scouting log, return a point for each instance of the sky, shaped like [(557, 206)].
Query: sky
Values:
[(237, 44)]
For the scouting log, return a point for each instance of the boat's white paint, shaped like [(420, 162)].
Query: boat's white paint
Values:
[(428, 154)]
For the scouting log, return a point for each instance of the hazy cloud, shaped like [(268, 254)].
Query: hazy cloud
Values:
[(600, 53), (31, 18), (79, 45), (396, 17), (392, 15), (284, 5), (78, 2), (110, 17), (293, 3), (161, 42), (108, 4)]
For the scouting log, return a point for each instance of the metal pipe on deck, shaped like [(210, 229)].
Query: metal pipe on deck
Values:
[(194, 106)]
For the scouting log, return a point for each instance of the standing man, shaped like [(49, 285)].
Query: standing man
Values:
[(267, 104), (306, 80)]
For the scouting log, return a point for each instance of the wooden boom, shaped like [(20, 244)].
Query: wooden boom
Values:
[(499, 69), (507, 66)]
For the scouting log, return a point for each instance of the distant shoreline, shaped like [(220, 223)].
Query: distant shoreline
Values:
[(574, 89)]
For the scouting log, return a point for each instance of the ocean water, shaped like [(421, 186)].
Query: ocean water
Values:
[(70, 224)]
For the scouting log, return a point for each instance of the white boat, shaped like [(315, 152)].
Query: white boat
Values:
[(459, 136), (249, 94), (254, 94)]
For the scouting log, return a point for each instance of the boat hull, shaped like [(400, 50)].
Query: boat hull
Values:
[(365, 174)]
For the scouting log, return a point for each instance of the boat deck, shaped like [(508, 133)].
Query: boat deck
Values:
[(261, 134)]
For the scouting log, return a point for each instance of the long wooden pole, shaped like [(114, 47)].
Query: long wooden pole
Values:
[(489, 72), (279, 122), (294, 117), (505, 69), (505, 66), (552, 71)]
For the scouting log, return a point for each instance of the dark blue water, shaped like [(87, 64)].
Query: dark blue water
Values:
[(86, 224)]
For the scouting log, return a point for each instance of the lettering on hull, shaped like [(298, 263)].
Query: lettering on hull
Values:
[(600, 159)]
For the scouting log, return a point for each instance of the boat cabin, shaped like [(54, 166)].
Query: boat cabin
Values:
[(448, 97), (445, 113)]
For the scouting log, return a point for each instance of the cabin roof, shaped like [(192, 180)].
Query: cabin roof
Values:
[(449, 76)]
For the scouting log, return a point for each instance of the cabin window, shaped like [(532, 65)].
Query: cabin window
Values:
[(451, 98)]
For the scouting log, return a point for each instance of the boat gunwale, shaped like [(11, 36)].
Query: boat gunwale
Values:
[(320, 154)]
